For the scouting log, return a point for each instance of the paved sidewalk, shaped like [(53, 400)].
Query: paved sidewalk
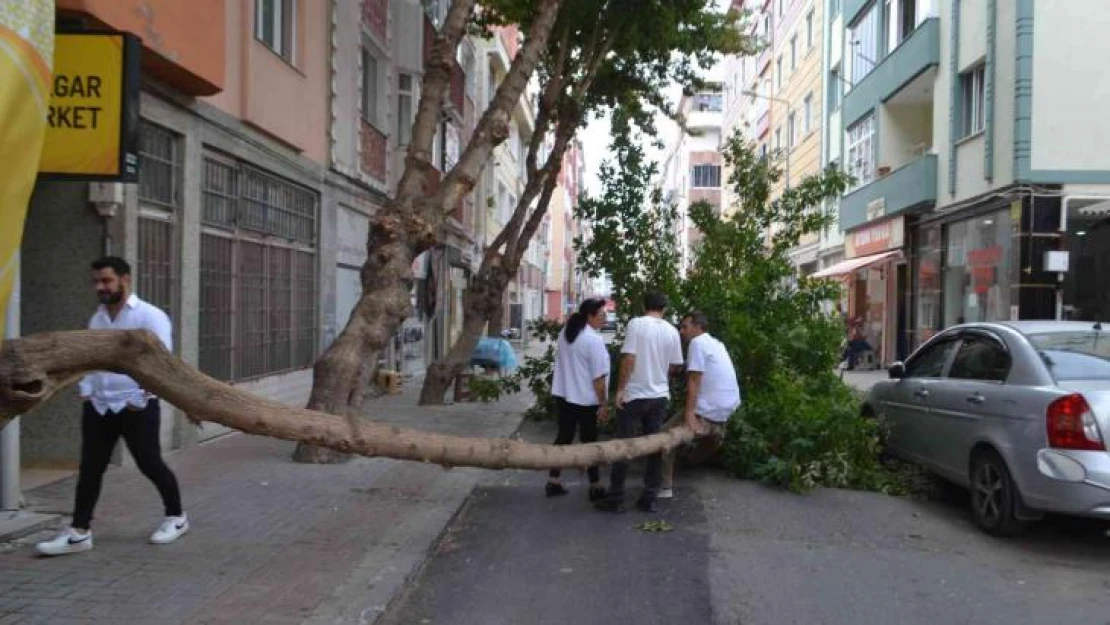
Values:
[(271, 541)]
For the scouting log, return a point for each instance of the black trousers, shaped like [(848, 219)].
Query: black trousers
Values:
[(99, 434), (581, 418), (638, 416)]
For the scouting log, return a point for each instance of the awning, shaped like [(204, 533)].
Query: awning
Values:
[(852, 264)]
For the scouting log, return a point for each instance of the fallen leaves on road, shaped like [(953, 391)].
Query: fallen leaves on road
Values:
[(654, 526)]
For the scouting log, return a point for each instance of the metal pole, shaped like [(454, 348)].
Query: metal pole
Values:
[(10, 497)]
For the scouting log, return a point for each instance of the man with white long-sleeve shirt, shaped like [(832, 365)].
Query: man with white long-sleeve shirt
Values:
[(115, 406)]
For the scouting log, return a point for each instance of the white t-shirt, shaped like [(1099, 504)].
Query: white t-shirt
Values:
[(719, 394), (657, 346), (577, 365)]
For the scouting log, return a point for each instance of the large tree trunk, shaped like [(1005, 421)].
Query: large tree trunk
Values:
[(412, 222), (481, 301), (34, 368)]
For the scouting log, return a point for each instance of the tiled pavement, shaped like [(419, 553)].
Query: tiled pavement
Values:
[(271, 541)]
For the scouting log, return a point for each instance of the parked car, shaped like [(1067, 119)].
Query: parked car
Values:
[(1014, 411), (610, 322)]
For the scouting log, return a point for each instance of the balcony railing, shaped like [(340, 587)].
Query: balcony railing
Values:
[(916, 54), (911, 186)]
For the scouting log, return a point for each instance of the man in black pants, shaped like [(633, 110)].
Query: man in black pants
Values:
[(651, 350), (116, 407)]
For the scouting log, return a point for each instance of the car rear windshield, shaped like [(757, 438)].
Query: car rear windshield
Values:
[(1075, 355)]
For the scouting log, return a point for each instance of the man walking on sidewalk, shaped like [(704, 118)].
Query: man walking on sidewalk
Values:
[(116, 407), (651, 350), (712, 392)]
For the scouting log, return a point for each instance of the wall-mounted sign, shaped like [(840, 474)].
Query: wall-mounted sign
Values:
[(876, 238), (876, 208), (93, 119)]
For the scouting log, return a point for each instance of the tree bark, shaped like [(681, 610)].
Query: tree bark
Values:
[(412, 222), (560, 104), (481, 303), (34, 368)]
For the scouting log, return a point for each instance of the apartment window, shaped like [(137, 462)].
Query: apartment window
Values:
[(972, 107), (907, 10), (778, 73), (258, 278), (793, 52), (371, 75), (791, 130), (707, 102), (861, 153), (766, 26), (782, 7), (160, 176), (406, 99), (778, 138), (706, 176), (275, 26), (863, 45), (836, 89), (809, 30), (807, 114)]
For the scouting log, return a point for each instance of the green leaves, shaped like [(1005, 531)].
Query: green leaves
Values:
[(654, 526)]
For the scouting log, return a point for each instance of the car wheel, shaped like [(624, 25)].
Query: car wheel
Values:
[(994, 497)]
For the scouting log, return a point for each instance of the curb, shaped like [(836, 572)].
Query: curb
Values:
[(18, 524)]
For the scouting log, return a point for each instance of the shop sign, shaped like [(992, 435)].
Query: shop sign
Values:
[(93, 117), (876, 238)]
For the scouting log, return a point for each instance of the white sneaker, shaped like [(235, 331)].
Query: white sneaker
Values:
[(665, 493), (170, 530), (68, 540)]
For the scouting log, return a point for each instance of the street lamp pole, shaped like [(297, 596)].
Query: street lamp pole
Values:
[(789, 111)]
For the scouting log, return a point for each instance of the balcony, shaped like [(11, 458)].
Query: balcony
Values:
[(916, 55), (911, 186)]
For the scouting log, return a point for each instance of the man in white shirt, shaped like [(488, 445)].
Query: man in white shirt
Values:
[(116, 407), (712, 391), (652, 349)]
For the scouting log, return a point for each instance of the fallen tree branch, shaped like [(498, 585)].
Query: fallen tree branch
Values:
[(34, 368)]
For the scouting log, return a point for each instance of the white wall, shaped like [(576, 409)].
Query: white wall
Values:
[(1070, 129)]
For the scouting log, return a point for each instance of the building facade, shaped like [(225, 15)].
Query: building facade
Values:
[(975, 155), (692, 164), (271, 130)]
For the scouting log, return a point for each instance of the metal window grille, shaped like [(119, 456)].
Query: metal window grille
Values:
[(251, 316), (220, 193), (216, 306), (280, 309), (160, 166), (258, 303), (273, 206), (157, 276), (304, 285)]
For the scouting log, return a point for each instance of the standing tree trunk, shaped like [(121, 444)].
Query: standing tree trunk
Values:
[(412, 222), (572, 70), (481, 305)]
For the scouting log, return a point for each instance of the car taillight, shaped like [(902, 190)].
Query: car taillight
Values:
[(1072, 425)]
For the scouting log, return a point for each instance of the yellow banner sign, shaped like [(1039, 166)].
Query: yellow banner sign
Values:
[(26, 40), (92, 124)]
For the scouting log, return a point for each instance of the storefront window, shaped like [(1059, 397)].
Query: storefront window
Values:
[(977, 269), (1088, 240), (927, 277)]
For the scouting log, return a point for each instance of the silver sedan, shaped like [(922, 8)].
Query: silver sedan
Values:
[(1014, 411)]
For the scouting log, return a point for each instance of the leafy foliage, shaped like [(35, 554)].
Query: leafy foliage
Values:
[(799, 426)]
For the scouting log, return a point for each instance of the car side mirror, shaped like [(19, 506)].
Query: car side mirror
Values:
[(897, 371)]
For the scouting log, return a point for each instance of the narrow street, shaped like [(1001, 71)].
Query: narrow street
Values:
[(741, 553)]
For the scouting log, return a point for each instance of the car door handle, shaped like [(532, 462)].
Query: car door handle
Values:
[(976, 398), (921, 393)]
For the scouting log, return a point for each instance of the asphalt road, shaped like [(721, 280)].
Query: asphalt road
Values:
[(745, 554)]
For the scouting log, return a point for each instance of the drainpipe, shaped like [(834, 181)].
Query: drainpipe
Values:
[(10, 497)]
